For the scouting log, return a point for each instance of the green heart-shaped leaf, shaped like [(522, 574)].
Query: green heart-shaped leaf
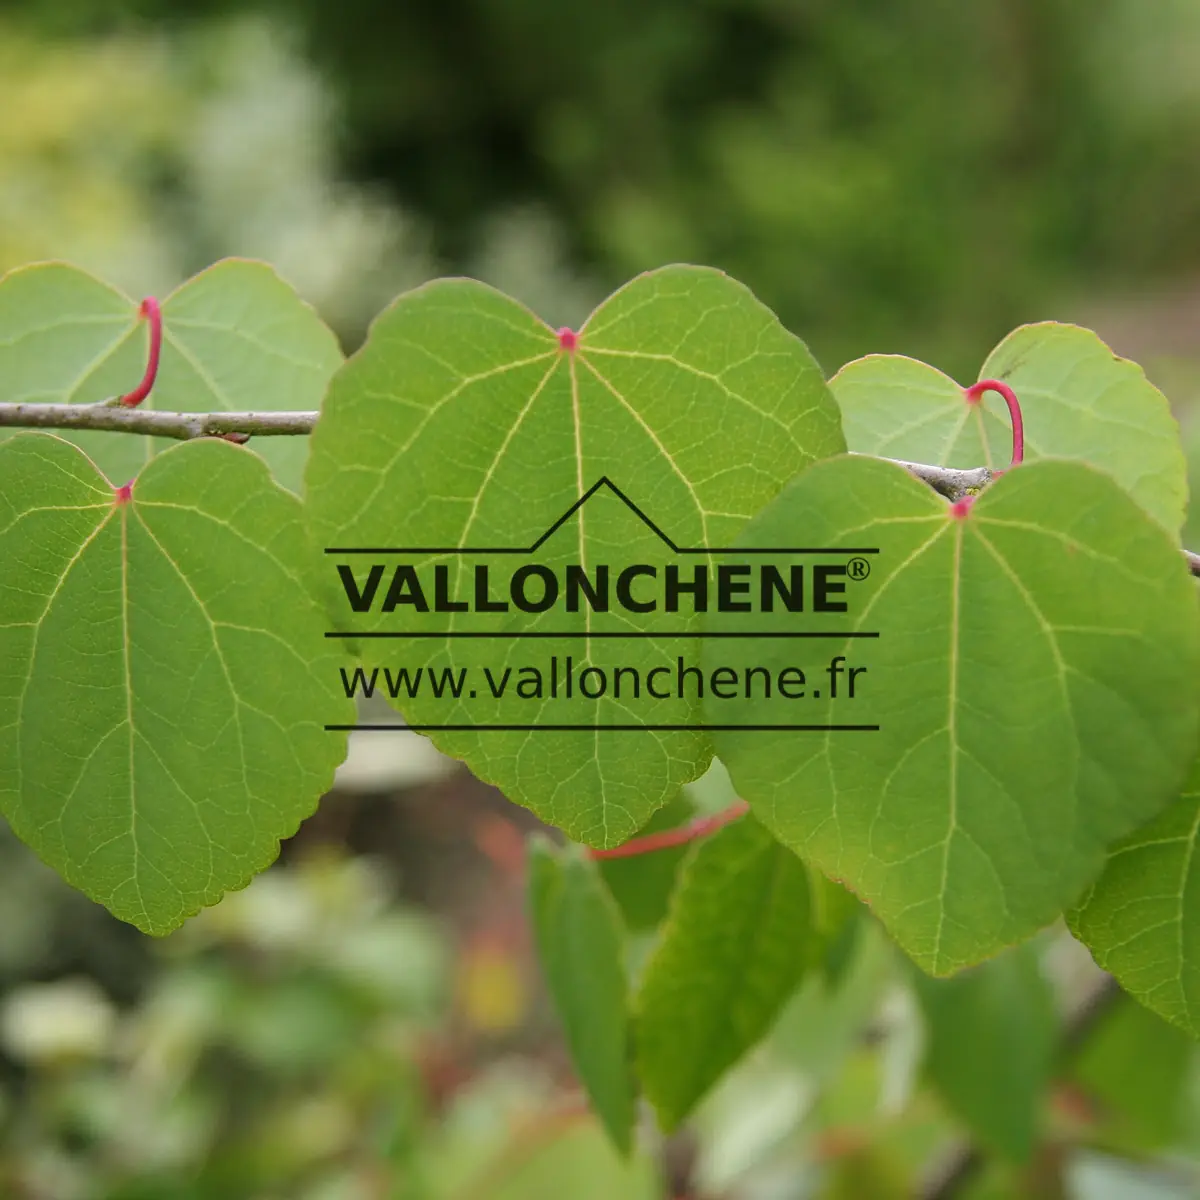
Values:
[(162, 678), (1031, 684), (463, 423), (1141, 918), (235, 338), (1078, 399)]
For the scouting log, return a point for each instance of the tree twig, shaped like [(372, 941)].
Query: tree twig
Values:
[(953, 483), (179, 425), (950, 482)]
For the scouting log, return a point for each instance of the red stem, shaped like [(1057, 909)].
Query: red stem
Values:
[(975, 393), (152, 313), (700, 827)]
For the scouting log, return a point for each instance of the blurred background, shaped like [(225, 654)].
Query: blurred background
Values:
[(366, 1022)]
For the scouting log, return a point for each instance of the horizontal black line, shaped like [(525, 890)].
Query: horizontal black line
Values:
[(832, 550), (537, 633), (616, 728)]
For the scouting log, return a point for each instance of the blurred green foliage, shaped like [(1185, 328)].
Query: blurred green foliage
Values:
[(915, 178), (910, 177), (144, 158), (284, 1044)]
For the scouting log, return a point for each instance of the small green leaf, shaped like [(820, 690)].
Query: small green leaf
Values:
[(1141, 918), (163, 682), (581, 945), (236, 337), (462, 422), (992, 1032), (1079, 401), (736, 944), (1032, 684)]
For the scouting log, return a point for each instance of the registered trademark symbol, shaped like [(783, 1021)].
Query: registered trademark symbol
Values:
[(858, 568)]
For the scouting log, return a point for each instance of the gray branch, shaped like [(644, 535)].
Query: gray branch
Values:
[(182, 426), (950, 482)]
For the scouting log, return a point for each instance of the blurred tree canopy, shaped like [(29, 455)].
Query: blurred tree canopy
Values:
[(911, 177)]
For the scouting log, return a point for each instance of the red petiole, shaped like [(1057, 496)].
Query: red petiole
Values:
[(975, 394), (153, 314), (693, 830)]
